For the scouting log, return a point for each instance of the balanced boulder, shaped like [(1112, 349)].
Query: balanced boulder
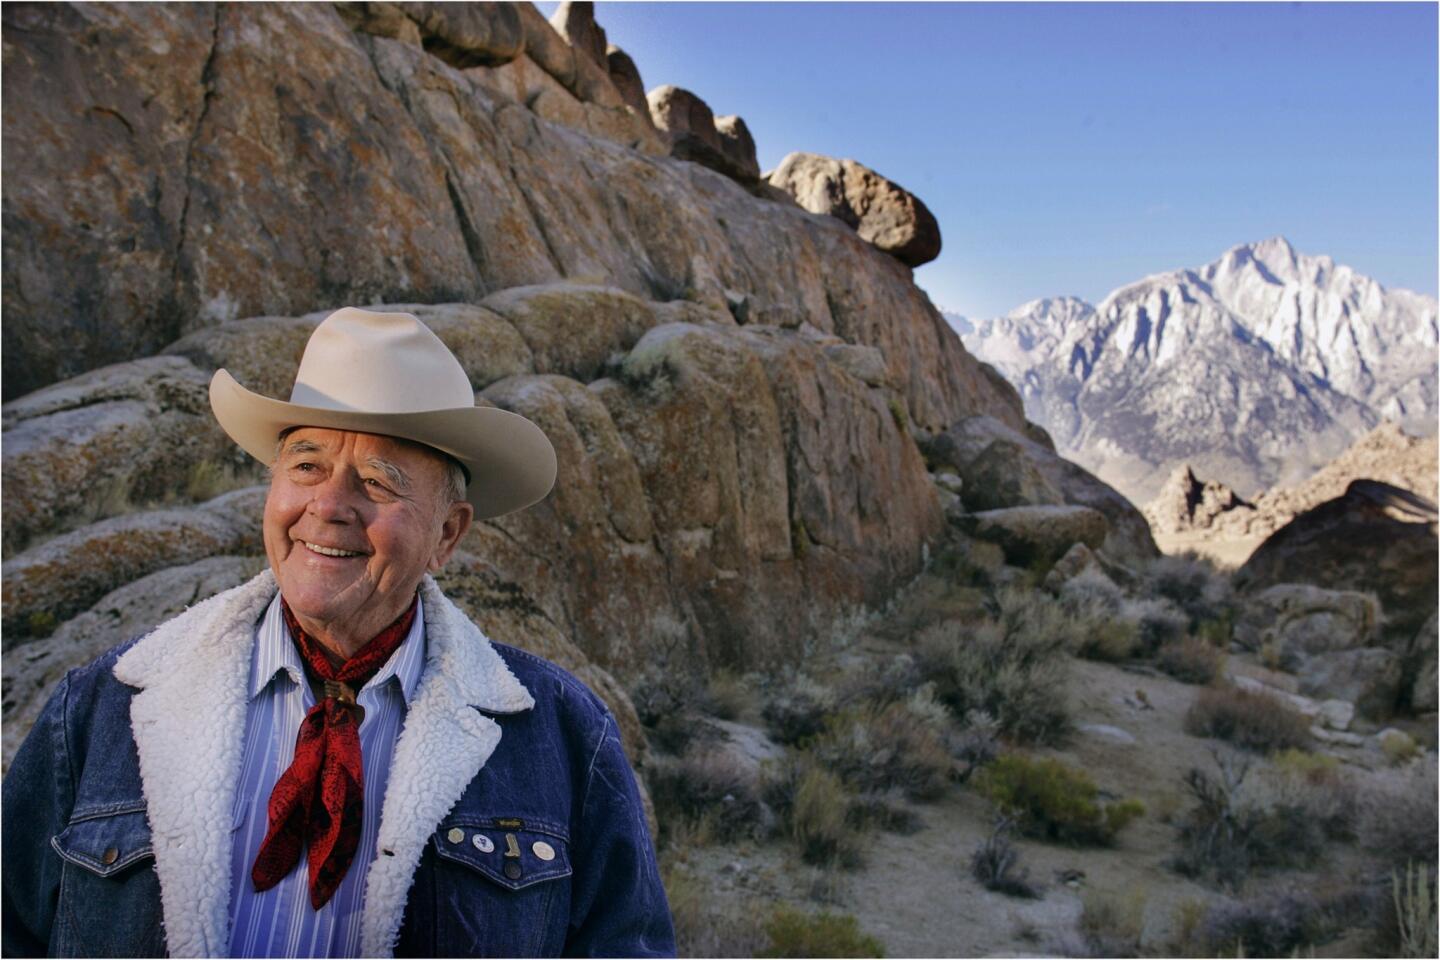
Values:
[(881, 211)]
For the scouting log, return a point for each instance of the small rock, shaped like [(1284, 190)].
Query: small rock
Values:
[(1337, 714), (1106, 732)]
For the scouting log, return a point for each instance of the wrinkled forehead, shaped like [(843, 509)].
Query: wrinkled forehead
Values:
[(397, 450)]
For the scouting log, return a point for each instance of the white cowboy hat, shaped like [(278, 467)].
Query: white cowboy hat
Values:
[(387, 373)]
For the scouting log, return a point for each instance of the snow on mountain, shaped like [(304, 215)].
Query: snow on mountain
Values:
[(1256, 369)]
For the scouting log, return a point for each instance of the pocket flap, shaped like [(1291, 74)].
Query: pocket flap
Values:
[(105, 843), (512, 856)]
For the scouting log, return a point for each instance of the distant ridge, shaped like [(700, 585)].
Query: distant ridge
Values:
[(1256, 369)]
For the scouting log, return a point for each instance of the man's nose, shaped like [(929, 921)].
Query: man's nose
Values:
[(336, 499)]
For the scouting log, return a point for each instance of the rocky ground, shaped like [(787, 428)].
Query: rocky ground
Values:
[(914, 892)]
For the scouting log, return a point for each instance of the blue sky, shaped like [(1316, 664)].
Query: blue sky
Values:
[(1071, 148)]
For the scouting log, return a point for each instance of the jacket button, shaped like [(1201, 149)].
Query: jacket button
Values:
[(456, 835), (512, 869), (110, 856)]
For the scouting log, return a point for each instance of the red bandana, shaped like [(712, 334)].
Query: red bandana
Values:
[(321, 796)]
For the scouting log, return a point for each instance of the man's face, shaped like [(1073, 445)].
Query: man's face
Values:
[(352, 522)]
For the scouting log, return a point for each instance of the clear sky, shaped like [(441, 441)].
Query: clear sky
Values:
[(1069, 148)]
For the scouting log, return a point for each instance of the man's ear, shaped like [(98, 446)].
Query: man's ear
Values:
[(457, 522)]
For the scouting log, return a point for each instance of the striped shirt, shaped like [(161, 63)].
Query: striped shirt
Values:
[(280, 922)]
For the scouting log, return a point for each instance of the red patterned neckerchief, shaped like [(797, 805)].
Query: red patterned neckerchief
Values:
[(317, 803)]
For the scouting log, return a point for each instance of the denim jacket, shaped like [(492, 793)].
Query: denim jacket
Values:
[(118, 807)]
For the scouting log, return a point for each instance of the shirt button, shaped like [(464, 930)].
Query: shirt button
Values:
[(456, 835), (111, 856)]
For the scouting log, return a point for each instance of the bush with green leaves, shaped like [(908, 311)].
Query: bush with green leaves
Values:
[(794, 933), (1012, 668), (1052, 800), (1247, 718)]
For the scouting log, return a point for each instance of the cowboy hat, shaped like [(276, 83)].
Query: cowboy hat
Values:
[(387, 373)]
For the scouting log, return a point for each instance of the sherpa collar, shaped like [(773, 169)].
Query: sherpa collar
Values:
[(188, 721)]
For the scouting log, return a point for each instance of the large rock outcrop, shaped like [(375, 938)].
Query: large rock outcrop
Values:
[(1376, 539), (1003, 467), (739, 391)]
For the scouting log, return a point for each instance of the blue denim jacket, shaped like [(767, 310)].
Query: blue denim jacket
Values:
[(80, 858)]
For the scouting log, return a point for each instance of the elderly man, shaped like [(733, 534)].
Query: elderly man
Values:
[(311, 764)]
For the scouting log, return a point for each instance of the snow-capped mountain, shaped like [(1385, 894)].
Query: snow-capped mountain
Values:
[(1256, 369)]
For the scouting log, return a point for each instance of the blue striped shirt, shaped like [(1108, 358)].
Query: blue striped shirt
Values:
[(280, 922)]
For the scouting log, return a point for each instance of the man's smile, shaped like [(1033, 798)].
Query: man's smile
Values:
[(329, 551)]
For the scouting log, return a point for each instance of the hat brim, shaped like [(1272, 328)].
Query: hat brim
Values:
[(510, 460)]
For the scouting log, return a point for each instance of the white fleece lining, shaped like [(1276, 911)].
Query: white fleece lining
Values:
[(188, 722)]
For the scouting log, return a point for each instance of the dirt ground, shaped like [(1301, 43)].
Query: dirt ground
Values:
[(915, 893)]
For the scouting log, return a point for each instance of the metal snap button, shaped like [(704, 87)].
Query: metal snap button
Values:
[(483, 843), (455, 835), (543, 850), (512, 869), (110, 856)]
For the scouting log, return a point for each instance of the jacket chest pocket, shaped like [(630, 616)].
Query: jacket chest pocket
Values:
[(502, 888), (109, 892)]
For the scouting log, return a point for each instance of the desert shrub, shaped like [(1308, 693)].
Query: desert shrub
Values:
[(727, 695), (976, 745), (882, 810), (1012, 669), (1191, 660), (1270, 926), (996, 864), (666, 695), (1193, 584), (1249, 719), (1111, 924), (1225, 836), (1397, 814), (897, 680), (794, 933), (797, 707), (813, 807), (710, 926), (1108, 639), (1398, 746), (1412, 904), (1313, 784), (704, 784), (1157, 622), (899, 745), (1052, 800)]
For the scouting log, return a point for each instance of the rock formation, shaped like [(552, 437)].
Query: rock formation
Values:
[(882, 212), (1386, 454), (1185, 503), (1375, 539), (740, 392)]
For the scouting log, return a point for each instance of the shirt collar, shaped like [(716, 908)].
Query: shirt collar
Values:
[(275, 652)]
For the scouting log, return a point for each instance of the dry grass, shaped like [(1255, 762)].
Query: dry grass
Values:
[(1111, 924), (706, 785), (1191, 660), (899, 745), (1249, 719), (706, 926)]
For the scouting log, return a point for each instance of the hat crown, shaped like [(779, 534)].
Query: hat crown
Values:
[(365, 361)]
